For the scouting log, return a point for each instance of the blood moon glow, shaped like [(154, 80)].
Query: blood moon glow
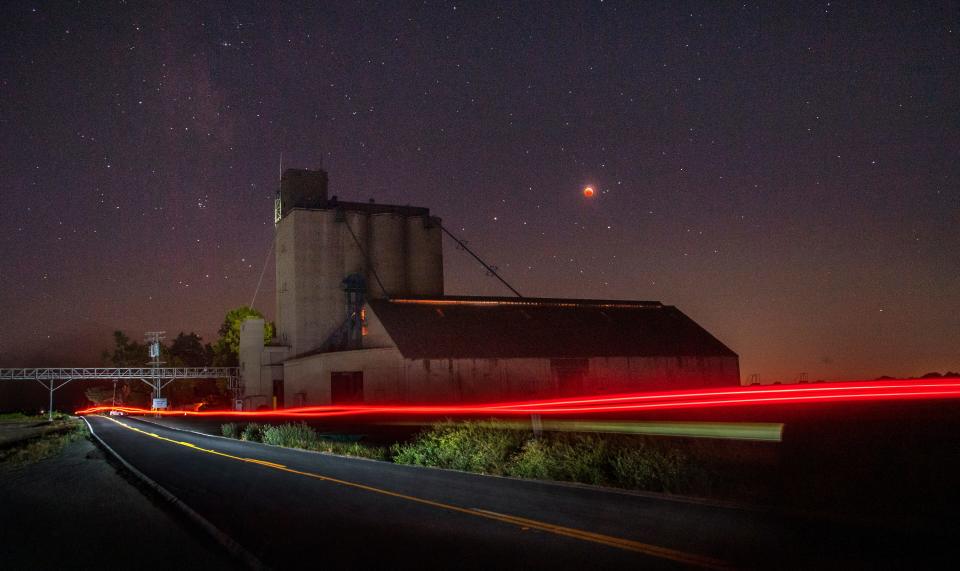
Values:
[(588, 192)]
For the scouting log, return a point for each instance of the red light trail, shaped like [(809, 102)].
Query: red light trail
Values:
[(592, 405)]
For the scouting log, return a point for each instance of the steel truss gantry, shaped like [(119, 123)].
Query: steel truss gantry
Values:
[(54, 379)]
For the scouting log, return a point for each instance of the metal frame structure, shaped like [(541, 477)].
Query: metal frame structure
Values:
[(54, 379)]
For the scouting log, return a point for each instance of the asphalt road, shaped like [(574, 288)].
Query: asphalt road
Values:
[(73, 511), (291, 508)]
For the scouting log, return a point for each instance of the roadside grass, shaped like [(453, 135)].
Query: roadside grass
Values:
[(471, 446), (352, 449), (23, 417), (299, 435), (634, 462), (46, 446)]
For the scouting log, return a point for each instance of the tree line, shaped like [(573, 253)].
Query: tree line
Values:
[(184, 350)]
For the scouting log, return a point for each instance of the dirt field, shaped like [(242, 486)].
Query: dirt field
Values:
[(16, 428)]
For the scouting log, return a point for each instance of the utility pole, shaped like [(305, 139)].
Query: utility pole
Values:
[(153, 339)]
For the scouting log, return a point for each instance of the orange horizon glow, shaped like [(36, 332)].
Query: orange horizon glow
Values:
[(633, 402)]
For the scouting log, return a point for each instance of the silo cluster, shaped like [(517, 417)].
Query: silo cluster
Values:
[(320, 241), (405, 255)]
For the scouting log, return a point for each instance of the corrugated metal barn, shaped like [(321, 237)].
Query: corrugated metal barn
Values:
[(362, 317), (467, 349)]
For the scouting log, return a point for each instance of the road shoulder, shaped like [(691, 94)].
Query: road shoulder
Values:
[(76, 510)]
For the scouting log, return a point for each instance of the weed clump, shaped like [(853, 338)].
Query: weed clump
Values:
[(471, 446), (253, 432), (230, 430), (351, 449), (291, 435), (571, 458), (651, 467)]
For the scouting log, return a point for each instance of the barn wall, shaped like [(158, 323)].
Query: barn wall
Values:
[(389, 378), (310, 376), (619, 374)]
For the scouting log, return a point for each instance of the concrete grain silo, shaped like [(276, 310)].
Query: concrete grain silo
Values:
[(424, 256), (388, 269), (321, 241), (309, 259), (328, 315), (353, 236)]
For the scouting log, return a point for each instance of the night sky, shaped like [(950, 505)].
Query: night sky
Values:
[(787, 175)]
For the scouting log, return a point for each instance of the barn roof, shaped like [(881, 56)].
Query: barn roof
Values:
[(493, 327)]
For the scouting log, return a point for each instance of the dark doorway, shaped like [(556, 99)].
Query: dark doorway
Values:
[(346, 387), (570, 375), (278, 393)]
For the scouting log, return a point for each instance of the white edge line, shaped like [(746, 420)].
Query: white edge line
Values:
[(222, 538)]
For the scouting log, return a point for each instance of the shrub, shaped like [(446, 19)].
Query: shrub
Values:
[(624, 461), (291, 435), (532, 461), (302, 436), (650, 466), (572, 458), (253, 432), (230, 430), (472, 446)]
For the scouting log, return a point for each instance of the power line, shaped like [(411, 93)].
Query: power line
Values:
[(491, 270), (262, 271)]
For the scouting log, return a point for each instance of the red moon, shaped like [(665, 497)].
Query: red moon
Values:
[(588, 191)]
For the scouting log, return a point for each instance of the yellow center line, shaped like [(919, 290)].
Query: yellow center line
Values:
[(265, 463), (522, 523)]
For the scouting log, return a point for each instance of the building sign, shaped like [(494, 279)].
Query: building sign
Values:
[(159, 403)]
